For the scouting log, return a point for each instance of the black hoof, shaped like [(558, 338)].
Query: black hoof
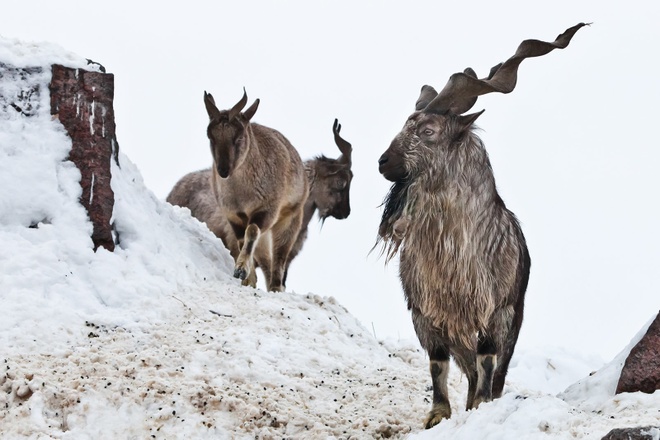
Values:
[(240, 273)]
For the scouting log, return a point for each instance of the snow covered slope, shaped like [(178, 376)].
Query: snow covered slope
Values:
[(157, 340)]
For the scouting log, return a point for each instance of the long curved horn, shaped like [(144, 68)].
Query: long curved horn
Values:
[(461, 91), (235, 110), (344, 146)]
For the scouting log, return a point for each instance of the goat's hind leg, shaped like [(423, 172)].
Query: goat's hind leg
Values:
[(510, 326), (284, 235)]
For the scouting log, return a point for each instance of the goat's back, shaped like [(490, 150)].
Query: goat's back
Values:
[(195, 192), (272, 176)]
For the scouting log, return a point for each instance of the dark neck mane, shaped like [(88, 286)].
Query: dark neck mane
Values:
[(394, 203)]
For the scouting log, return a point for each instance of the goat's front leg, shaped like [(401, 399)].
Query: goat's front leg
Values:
[(439, 367), (245, 268), (486, 365)]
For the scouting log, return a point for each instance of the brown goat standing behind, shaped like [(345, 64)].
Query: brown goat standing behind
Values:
[(464, 264), (329, 183), (260, 186), (329, 189)]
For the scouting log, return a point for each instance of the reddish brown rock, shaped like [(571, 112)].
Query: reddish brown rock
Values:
[(83, 102), (639, 433), (641, 371)]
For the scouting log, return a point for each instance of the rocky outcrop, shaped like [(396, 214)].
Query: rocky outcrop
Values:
[(639, 433), (641, 371), (83, 102)]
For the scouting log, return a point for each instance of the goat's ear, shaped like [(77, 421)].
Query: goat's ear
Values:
[(251, 110), (211, 109), (466, 121)]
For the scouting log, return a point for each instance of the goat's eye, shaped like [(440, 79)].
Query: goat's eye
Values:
[(428, 132)]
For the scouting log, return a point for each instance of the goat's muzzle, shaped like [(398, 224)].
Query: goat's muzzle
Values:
[(223, 172), (391, 167), (382, 162), (341, 214)]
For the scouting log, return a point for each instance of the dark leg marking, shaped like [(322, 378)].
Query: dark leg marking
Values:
[(486, 364), (439, 368), (486, 345), (259, 218), (239, 229)]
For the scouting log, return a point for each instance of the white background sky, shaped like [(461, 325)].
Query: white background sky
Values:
[(573, 147)]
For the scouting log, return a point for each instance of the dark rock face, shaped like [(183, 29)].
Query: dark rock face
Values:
[(641, 372), (83, 102), (639, 433)]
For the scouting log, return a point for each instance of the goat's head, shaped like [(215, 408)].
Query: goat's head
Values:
[(426, 136), (229, 133), (438, 123), (332, 180)]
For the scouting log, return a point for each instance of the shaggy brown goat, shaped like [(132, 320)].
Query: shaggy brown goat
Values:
[(329, 188), (464, 264), (259, 182)]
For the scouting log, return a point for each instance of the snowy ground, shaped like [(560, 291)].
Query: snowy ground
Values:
[(156, 340)]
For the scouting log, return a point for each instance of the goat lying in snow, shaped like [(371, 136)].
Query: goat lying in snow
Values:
[(464, 264), (259, 182), (329, 188)]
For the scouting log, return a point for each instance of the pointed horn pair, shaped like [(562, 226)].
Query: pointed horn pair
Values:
[(235, 110)]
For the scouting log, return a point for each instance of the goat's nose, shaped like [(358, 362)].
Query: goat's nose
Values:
[(342, 212), (383, 159), (223, 172)]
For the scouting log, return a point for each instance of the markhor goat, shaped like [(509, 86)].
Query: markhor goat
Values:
[(260, 185), (464, 264), (329, 188)]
